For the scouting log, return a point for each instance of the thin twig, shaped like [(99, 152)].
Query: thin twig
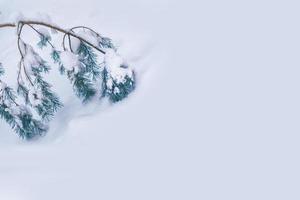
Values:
[(40, 34), (84, 27), (19, 39), (77, 27), (70, 43), (26, 73), (22, 55)]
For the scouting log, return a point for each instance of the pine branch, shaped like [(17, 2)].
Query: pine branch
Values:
[(52, 27), (113, 78), (41, 35), (18, 116)]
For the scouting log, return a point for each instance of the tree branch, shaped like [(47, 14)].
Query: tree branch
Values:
[(40, 35), (77, 27), (63, 31), (70, 33), (7, 25)]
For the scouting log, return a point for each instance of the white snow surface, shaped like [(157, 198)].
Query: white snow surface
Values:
[(69, 60), (215, 114)]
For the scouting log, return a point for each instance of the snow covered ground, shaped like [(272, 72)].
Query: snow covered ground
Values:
[(215, 115)]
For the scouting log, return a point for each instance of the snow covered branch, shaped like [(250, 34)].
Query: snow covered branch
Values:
[(18, 116), (66, 32), (90, 62)]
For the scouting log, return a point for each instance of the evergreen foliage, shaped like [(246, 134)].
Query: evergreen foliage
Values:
[(1, 69), (55, 55), (44, 39), (117, 90), (88, 58), (118, 79), (37, 92), (105, 42), (81, 75), (83, 86), (18, 116), (89, 73)]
